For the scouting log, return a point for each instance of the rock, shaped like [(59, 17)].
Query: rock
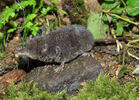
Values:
[(82, 69)]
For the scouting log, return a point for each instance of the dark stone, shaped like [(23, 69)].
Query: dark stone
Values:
[(83, 69)]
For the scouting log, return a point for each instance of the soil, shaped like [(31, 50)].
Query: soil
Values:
[(8, 62)]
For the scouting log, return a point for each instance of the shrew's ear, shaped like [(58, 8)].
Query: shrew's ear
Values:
[(44, 49), (57, 50)]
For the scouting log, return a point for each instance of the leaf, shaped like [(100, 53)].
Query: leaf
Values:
[(38, 23), (105, 18), (44, 11), (3, 54), (4, 16), (122, 71), (14, 24), (11, 30), (132, 7), (30, 17), (97, 26), (29, 24), (119, 29), (13, 14), (34, 31), (26, 3), (110, 3), (35, 28), (55, 1), (38, 8), (62, 11), (117, 10)]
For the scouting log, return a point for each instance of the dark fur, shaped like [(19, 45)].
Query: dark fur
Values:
[(59, 46)]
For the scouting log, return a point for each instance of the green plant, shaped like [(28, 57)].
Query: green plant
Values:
[(121, 13), (97, 26), (107, 89), (29, 91), (52, 7), (13, 12), (120, 16), (29, 9)]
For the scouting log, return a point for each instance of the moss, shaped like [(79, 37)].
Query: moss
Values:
[(102, 88)]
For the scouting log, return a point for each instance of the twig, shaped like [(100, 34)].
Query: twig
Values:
[(112, 41), (124, 53), (125, 19), (113, 6), (130, 54), (123, 3)]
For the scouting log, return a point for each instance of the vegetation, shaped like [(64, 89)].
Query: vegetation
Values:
[(122, 17), (33, 10), (119, 17), (102, 89)]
